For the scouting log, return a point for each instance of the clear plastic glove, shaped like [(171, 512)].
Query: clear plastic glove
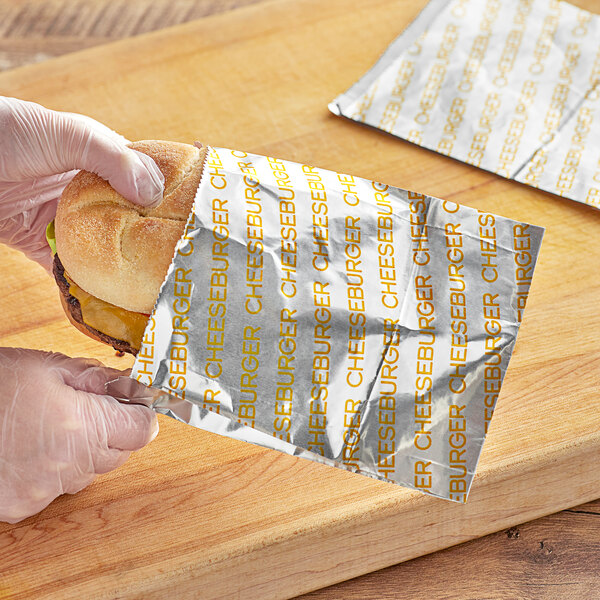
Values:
[(40, 152), (58, 429)]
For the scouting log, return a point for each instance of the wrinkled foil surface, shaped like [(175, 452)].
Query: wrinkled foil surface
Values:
[(510, 86), (339, 319)]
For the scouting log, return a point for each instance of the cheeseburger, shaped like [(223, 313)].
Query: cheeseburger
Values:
[(112, 255)]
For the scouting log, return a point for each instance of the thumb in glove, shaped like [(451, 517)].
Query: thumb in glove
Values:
[(58, 429), (40, 151)]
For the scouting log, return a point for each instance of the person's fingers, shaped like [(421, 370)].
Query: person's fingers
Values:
[(26, 232), (18, 512), (17, 197), (36, 246), (131, 173), (49, 142), (121, 426), (89, 377), (72, 371), (54, 436), (75, 485), (30, 500), (115, 426), (98, 127), (43, 256), (108, 460)]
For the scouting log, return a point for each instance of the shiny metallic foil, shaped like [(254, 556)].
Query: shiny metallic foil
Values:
[(339, 319), (510, 86)]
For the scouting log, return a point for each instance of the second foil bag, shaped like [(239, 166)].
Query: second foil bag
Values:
[(339, 319)]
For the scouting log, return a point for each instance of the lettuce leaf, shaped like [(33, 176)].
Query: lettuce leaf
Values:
[(51, 237)]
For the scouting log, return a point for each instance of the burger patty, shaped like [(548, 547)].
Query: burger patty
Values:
[(75, 309)]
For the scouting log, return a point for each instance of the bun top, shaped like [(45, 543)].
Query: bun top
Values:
[(116, 250)]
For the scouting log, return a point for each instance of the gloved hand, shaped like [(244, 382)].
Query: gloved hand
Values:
[(58, 430), (40, 150)]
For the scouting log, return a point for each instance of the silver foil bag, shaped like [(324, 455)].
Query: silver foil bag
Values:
[(339, 319), (510, 86)]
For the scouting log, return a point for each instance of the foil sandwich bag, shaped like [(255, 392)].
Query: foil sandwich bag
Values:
[(510, 86), (339, 319)]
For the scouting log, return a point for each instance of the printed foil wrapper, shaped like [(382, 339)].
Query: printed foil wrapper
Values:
[(511, 86), (339, 319)]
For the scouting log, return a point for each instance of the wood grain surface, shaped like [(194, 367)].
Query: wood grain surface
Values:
[(553, 558), (348, 527), (35, 30)]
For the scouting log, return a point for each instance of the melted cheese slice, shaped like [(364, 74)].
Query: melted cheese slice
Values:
[(112, 320)]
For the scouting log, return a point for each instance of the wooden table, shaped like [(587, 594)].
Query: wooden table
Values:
[(554, 557)]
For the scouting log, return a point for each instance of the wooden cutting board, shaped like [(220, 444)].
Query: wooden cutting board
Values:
[(194, 515)]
